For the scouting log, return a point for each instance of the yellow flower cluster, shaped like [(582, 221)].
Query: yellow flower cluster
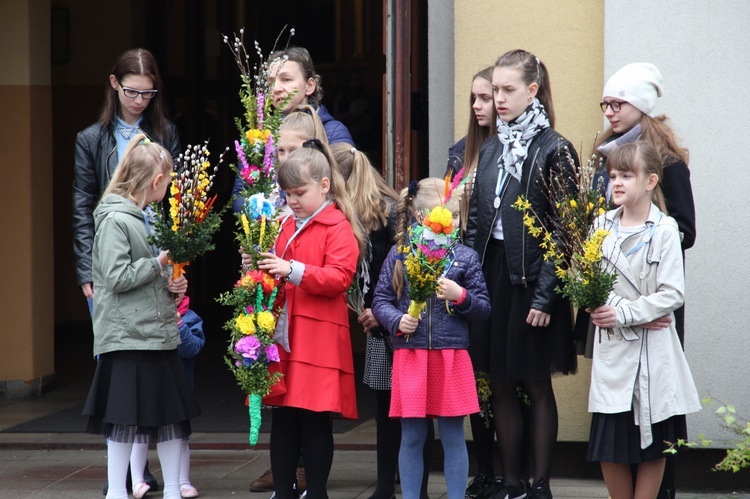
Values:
[(417, 277), (592, 247), (254, 135), (174, 204), (245, 224), (264, 322), (439, 220)]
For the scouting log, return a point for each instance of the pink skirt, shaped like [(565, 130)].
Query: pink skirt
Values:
[(432, 383)]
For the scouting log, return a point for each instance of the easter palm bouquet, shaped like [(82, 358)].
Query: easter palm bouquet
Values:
[(426, 256), (257, 297), (187, 232), (571, 239)]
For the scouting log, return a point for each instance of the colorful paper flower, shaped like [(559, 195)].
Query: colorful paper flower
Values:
[(248, 347)]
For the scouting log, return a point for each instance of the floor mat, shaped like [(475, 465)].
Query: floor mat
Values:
[(221, 401)]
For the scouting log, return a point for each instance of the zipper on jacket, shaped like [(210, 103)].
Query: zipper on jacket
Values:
[(523, 239), (106, 163), (429, 323), (494, 218)]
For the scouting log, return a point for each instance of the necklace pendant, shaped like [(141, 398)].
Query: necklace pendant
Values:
[(496, 203)]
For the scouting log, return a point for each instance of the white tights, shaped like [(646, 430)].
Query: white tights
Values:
[(118, 458)]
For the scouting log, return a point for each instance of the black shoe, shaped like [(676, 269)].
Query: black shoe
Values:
[(479, 486), (504, 490), (540, 490), (540, 493), (149, 480), (377, 495)]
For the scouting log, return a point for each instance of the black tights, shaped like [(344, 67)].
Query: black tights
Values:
[(292, 429), (484, 440), (509, 426), (388, 440), (388, 444)]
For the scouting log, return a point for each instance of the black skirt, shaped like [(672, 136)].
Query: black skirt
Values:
[(508, 348), (615, 438), (145, 389)]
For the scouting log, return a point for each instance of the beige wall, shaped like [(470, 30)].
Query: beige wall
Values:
[(567, 35), (27, 246)]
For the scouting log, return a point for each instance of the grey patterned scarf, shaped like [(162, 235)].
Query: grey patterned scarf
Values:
[(516, 135), (631, 136)]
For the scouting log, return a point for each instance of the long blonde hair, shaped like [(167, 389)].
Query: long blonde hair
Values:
[(305, 121), (311, 164), (142, 161), (368, 190), (415, 199)]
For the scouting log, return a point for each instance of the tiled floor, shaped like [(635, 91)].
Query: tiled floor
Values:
[(67, 465)]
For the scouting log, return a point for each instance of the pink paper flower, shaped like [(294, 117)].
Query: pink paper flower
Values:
[(272, 353), (248, 347)]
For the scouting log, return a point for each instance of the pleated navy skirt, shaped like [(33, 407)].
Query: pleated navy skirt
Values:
[(147, 391), (615, 438)]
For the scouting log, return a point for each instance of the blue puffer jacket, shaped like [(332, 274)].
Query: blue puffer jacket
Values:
[(335, 130), (437, 329)]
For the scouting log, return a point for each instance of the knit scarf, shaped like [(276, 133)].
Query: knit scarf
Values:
[(516, 135), (630, 136)]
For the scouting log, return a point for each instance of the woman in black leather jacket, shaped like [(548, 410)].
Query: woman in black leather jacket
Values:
[(133, 104), (529, 334)]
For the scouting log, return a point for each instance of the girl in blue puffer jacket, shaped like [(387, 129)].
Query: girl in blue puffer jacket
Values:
[(432, 373)]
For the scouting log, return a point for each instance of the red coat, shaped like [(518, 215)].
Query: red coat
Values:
[(319, 371)]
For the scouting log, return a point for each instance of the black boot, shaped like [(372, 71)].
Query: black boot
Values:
[(148, 478)]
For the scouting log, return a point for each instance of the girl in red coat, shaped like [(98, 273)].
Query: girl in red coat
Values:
[(316, 253)]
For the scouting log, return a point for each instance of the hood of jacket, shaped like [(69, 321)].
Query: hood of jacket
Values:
[(335, 130), (114, 203)]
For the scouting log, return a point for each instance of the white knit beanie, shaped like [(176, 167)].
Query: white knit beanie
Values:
[(638, 83)]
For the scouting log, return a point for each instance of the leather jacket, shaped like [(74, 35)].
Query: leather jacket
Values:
[(547, 156), (95, 163)]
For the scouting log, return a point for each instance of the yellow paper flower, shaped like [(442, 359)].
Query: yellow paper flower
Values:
[(255, 135), (266, 321), (245, 324)]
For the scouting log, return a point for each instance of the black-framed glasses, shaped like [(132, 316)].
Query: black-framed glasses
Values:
[(614, 105), (133, 93)]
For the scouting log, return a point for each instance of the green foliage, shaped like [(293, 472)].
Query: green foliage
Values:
[(589, 293), (736, 458), (569, 237), (485, 397), (189, 243)]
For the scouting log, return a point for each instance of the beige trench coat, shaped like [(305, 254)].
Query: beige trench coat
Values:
[(632, 366)]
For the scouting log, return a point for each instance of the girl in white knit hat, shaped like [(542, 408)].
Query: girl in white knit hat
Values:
[(629, 102)]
